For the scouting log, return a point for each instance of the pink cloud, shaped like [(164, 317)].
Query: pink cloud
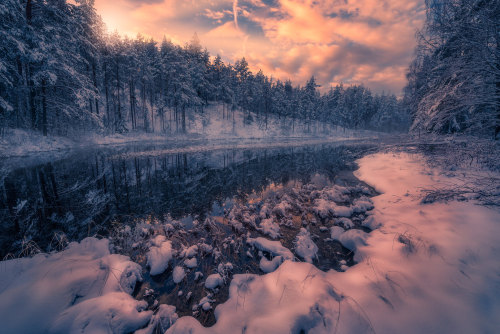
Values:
[(355, 41)]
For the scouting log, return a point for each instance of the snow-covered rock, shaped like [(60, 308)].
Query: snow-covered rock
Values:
[(273, 247), (213, 281), (178, 274), (304, 246), (270, 266), (191, 263), (270, 227), (159, 255), (81, 289)]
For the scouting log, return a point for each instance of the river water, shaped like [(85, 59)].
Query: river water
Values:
[(212, 195)]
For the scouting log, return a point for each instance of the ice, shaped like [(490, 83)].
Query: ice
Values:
[(159, 255), (213, 281), (178, 274), (305, 247)]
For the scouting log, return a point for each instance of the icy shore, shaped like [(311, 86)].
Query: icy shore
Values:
[(429, 267)]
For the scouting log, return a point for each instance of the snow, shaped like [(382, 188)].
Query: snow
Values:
[(269, 266), (213, 281), (350, 239), (18, 142), (326, 207), (159, 255), (346, 222), (295, 297), (270, 227), (190, 251), (178, 274), (273, 247), (81, 289), (424, 268), (304, 246), (342, 211), (163, 319), (191, 263), (117, 311)]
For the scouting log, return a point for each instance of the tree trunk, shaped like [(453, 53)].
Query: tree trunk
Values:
[(44, 109), (95, 87)]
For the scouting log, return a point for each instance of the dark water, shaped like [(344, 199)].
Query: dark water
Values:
[(83, 194), (120, 192)]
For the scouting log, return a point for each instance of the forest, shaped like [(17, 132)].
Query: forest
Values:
[(151, 187), (454, 80), (63, 73)]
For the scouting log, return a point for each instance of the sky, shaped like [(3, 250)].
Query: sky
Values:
[(368, 42)]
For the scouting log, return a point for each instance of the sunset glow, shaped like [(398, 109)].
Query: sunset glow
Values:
[(356, 41)]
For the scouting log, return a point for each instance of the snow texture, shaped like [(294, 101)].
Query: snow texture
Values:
[(270, 227), (178, 274), (424, 268), (273, 247), (213, 281), (159, 255), (305, 247), (82, 289)]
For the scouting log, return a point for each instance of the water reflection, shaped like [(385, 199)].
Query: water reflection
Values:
[(84, 194)]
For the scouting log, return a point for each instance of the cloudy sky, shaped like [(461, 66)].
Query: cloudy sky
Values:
[(349, 41)]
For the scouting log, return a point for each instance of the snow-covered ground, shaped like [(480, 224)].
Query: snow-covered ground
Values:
[(429, 268), (425, 268), (210, 126)]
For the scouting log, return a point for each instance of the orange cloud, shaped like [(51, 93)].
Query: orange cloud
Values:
[(355, 41)]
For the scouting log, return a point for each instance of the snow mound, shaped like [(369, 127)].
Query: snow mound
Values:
[(191, 263), (213, 281), (270, 266), (163, 320), (115, 312), (61, 291), (270, 227), (304, 246), (190, 252), (280, 302), (350, 239), (159, 255), (275, 248), (178, 274)]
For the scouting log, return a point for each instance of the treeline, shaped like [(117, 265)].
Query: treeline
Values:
[(61, 72), (454, 80)]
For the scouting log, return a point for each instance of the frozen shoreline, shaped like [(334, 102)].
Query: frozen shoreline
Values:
[(23, 144), (426, 268)]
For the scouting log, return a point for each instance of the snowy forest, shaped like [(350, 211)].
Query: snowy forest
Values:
[(454, 80), (151, 185), (62, 72)]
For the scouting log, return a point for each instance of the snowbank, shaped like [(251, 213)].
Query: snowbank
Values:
[(429, 268), (159, 255), (296, 297), (83, 289)]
